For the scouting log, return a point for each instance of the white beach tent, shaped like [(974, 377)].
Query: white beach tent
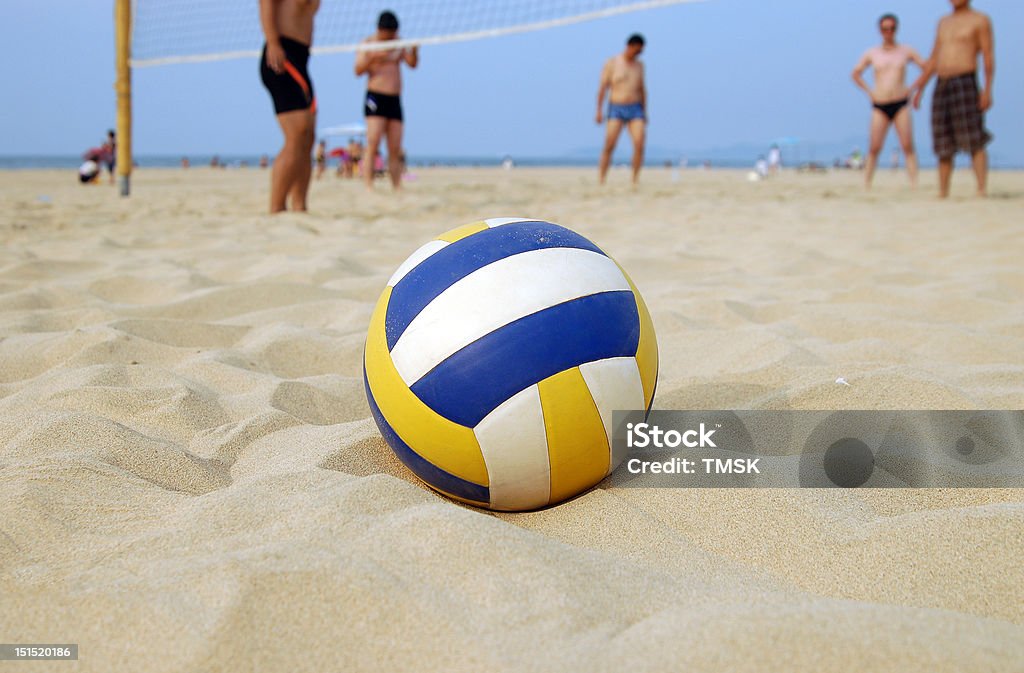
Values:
[(353, 129), (794, 146)]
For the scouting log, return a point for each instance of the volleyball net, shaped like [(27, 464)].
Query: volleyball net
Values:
[(152, 33), (190, 31)]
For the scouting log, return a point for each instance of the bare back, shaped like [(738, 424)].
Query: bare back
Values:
[(959, 42), (294, 19), (626, 79)]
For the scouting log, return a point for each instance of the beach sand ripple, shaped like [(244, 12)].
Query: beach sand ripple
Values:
[(190, 479)]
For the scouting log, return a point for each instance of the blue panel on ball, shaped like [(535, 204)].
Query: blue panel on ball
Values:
[(456, 261), (428, 472), (474, 381)]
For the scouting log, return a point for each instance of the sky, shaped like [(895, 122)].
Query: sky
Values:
[(723, 76)]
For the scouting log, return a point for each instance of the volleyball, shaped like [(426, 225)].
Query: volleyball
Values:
[(495, 358)]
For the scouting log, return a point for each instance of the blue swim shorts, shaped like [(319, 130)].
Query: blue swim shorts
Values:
[(626, 113)]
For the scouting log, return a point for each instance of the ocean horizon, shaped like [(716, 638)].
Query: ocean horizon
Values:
[(71, 161)]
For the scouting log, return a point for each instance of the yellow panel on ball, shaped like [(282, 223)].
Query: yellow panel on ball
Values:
[(449, 446), (459, 233), (578, 448), (647, 349)]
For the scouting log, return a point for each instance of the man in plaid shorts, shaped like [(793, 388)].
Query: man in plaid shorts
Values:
[(958, 107)]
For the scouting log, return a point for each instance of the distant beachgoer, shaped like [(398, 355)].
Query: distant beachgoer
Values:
[(354, 154), (774, 160), (185, 163), (958, 108), (889, 97), (288, 29), (110, 153), (89, 171), (761, 167), (321, 158), (383, 104), (855, 160), (264, 161), (215, 161), (895, 160), (623, 76), (341, 154)]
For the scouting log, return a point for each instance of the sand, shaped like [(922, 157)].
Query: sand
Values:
[(190, 479)]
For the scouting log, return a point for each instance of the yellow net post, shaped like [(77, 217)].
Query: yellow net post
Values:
[(123, 86)]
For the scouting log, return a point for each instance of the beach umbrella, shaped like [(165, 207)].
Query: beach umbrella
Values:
[(792, 142)]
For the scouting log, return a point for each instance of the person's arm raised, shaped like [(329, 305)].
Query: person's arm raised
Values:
[(411, 56), (364, 59)]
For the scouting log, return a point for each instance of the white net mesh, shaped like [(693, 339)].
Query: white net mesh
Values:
[(181, 31)]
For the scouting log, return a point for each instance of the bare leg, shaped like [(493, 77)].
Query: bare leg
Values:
[(375, 127), (905, 132), (296, 126), (945, 175), (980, 161), (394, 131), (638, 131), (611, 136), (300, 188), (879, 127)]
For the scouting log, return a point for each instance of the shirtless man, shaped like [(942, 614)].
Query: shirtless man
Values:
[(958, 108), (288, 28), (383, 106), (890, 95), (627, 105)]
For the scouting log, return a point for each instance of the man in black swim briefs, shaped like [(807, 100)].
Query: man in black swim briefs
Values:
[(889, 96), (383, 105), (288, 28)]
